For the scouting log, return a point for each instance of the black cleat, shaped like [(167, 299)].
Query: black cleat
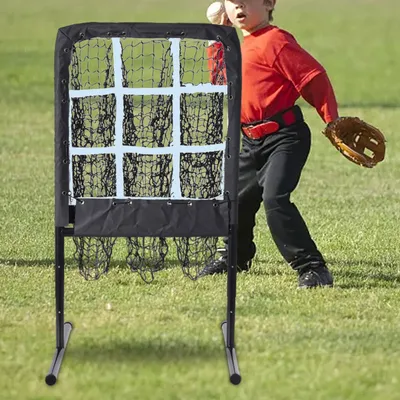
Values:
[(220, 266), (315, 276)]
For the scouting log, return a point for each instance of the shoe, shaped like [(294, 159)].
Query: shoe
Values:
[(315, 276), (220, 266)]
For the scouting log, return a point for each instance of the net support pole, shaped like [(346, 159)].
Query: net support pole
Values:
[(228, 326), (63, 329)]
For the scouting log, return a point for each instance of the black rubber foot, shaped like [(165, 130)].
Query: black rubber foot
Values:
[(233, 367), (51, 377)]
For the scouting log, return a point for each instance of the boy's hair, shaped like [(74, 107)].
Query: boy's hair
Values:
[(270, 13)]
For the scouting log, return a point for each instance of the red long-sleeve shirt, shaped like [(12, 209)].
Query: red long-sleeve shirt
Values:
[(276, 71)]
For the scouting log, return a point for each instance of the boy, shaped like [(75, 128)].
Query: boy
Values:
[(276, 71)]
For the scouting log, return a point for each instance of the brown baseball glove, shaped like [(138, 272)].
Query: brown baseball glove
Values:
[(356, 140)]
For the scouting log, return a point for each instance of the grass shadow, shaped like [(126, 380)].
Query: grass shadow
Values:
[(354, 273), (70, 263), (12, 262), (362, 280), (138, 350), (361, 263), (266, 267), (363, 274)]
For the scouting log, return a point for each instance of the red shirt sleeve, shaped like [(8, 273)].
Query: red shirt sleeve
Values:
[(319, 93), (216, 63), (309, 78), (297, 65)]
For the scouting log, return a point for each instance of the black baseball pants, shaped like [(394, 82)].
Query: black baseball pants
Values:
[(269, 171)]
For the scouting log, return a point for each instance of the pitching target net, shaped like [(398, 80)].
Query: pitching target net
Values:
[(144, 150)]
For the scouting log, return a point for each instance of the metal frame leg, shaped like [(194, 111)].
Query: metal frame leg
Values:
[(63, 330), (228, 326)]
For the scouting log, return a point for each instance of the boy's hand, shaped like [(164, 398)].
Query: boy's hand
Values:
[(216, 14)]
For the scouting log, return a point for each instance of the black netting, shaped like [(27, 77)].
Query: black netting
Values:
[(93, 255), (147, 175), (146, 256), (93, 121), (146, 63), (93, 118), (196, 64), (92, 64), (201, 174), (94, 175), (147, 121), (194, 253), (108, 118), (202, 119)]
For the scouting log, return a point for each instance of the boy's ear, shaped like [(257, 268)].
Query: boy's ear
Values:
[(270, 4)]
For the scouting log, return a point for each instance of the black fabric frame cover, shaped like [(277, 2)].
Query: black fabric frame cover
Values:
[(138, 217)]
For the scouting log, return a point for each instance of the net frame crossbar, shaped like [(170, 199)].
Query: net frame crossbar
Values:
[(67, 214)]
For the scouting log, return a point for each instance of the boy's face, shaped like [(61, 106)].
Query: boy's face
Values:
[(249, 14)]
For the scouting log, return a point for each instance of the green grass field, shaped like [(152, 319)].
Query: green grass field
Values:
[(162, 341)]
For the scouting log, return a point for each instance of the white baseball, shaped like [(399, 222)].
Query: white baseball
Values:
[(216, 12)]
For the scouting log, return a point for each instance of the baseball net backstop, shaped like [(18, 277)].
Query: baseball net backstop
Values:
[(147, 136)]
